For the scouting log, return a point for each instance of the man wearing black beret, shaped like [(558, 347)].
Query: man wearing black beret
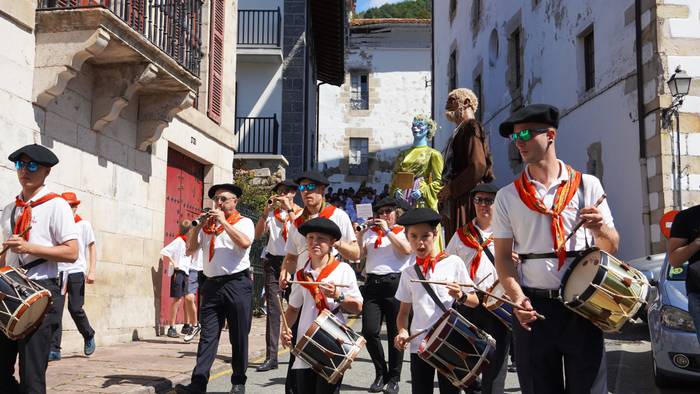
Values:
[(39, 230), (225, 238), (533, 215)]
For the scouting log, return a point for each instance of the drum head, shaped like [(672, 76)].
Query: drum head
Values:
[(583, 271), (31, 312)]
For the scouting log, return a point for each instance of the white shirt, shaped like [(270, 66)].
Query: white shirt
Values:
[(531, 231), (486, 273), (384, 259), (176, 251), (228, 257), (296, 243), (196, 261), (86, 237), (52, 224), (275, 242), (425, 311), (300, 297)]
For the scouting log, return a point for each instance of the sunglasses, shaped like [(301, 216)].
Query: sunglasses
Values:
[(483, 201), (308, 187), (31, 166), (527, 134), (222, 199)]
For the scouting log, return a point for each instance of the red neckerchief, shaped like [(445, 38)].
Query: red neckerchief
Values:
[(470, 238), (278, 215), (381, 234), (430, 262), (565, 192), (25, 219), (183, 237), (316, 293), (325, 212), (214, 230), (77, 218)]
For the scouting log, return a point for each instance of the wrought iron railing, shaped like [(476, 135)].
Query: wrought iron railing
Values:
[(260, 27), (174, 26), (257, 135)]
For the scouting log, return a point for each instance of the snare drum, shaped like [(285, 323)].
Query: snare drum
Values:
[(502, 311), (329, 346), (23, 303), (603, 289), (457, 348)]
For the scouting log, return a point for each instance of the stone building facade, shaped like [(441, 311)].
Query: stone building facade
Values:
[(585, 57), (117, 104), (366, 122)]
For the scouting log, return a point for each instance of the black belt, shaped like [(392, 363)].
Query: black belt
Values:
[(33, 264), (377, 279), (550, 255), (226, 278), (271, 256), (552, 294)]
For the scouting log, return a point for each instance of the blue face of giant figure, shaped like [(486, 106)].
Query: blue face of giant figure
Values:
[(420, 129)]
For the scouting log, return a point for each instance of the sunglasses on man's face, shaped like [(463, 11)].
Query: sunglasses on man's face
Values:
[(222, 199), (527, 134), (31, 166), (308, 187), (483, 201)]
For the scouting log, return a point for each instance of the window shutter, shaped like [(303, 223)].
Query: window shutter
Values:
[(216, 60)]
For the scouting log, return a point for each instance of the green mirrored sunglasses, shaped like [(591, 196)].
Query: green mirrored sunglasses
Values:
[(527, 134)]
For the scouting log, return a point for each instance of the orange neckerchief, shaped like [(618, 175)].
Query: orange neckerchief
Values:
[(319, 298), (430, 262), (470, 238), (77, 218), (278, 215), (565, 192), (183, 237), (381, 234), (325, 212), (25, 219), (214, 230)]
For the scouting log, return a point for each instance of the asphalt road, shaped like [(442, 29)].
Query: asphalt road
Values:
[(628, 356)]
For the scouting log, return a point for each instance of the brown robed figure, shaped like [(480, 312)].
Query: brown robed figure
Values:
[(468, 160)]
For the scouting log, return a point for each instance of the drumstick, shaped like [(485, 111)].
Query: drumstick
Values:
[(482, 281), (416, 335), (580, 223), (301, 282), (506, 301), (284, 318), (20, 234)]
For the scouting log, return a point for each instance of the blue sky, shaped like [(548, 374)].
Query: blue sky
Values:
[(365, 4)]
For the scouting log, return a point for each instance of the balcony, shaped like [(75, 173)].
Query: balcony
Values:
[(257, 136), (146, 49), (260, 34)]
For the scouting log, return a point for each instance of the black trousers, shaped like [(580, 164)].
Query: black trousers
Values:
[(290, 386), (493, 376), (33, 352), (564, 337), (75, 293), (224, 298), (271, 266), (423, 378), (309, 382), (379, 304)]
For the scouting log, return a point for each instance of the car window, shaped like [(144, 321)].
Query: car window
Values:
[(677, 273)]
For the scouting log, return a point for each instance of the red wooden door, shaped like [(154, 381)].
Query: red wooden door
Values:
[(184, 187)]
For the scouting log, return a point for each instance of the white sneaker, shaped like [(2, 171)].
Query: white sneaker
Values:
[(195, 331)]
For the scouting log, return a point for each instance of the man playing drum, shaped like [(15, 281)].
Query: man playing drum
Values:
[(421, 231), (40, 231), (322, 266), (533, 215)]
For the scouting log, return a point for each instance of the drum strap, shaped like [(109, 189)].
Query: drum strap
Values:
[(486, 250), (429, 289)]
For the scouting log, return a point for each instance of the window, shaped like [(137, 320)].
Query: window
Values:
[(516, 61), (359, 91), (357, 157), (588, 61), (478, 92), (452, 71), (216, 61)]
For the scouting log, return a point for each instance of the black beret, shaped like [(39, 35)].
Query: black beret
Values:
[(313, 176), (484, 188), (226, 186), (534, 113), (419, 216), (288, 183), (385, 202), (37, 153), (321, 225)]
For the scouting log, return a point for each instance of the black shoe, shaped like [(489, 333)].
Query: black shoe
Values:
[(182, 389), (237, 389), (377, 385), (186, 329), (392, 387), (266, 366)]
